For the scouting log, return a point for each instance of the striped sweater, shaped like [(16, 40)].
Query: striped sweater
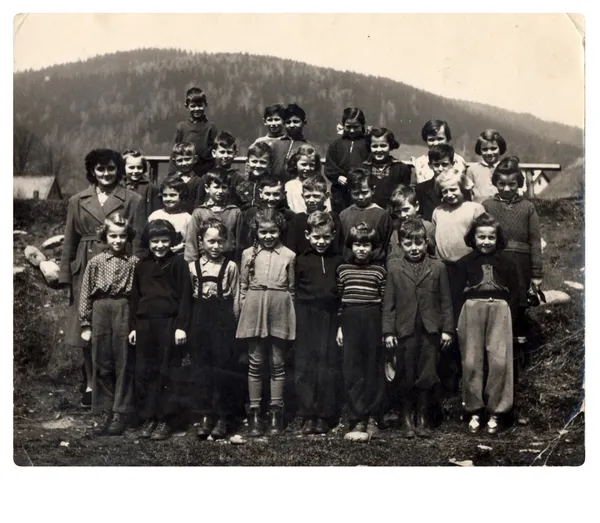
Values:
[(360, 284)]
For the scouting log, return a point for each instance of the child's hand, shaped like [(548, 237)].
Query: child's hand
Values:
[(445, 340), (180, 337), (131, 338), (342, 180), (178, 248), (86, 334), (536, 282), (391, 342), (339, 339)]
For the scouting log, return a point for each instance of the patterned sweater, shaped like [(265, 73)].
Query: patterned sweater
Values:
[(360, 284)]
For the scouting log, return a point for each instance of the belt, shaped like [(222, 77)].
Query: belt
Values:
[(265, 288), (89, 237)]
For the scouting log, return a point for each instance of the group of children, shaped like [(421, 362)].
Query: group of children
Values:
[(426, 268)]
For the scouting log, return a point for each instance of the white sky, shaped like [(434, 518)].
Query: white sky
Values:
[(523, 62)]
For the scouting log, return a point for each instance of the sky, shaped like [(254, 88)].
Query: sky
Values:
[(530, 63)]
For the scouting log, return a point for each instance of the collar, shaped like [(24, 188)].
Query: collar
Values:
[(162, 261), (516, 198), (277, 250), (372, 205), (135, 183), (110, 254), (489, 166), (205, 259), (199, 120), (207, 205), (117, 192)]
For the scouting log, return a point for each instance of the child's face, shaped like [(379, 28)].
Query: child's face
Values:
[(213, 243), (440, 166), (160, 246), (380, 149), (271, 195), (314, 200), (134, 168), (106, 175), (362, 251), (485, 239), (185, 162), (224, 155), (452, 195), (170, 198), (507, 186), (490, 152), (363, 195), (414, 248), (352, 128), (116, 238), (320, 238), (437, 138), (294, 126), (268, 234), (196, 109), (217, 191), (305, 166), (258, 164), (403, 211), (274, 124)]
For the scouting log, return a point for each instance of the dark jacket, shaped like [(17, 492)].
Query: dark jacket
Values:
[(386, 178), (316, 278)]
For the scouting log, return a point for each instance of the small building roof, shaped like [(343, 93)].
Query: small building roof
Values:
[(25, 186)]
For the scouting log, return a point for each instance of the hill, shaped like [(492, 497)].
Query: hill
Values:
[(569, 184), (135, 98)]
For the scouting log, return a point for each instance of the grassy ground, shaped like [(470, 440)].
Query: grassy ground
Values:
[(50, 428)]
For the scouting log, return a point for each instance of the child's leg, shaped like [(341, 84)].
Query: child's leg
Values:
[(307, 341), (354, 363), (256, 359), (499, 350), (147, 368), (224, 390), (326, 366), (103, 388), (374, 369), (123, 401), (277, 364)]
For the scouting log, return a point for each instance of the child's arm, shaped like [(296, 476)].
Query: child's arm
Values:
[(190, 252), (340, 291), (183, 283), (535, 247), (134, 301), (85, 301), (389, 313), (446, 304), (235, 288), (237, 236), (333, 169), (139, 222), (384, 229), (244, 277), (291, 272), (178, 133)]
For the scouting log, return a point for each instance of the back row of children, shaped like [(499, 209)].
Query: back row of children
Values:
[(265, 269)]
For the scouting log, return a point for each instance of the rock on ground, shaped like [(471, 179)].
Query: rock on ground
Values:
[(34, 255)]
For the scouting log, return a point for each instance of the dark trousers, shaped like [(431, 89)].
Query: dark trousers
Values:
[(316, 354), (449, 364), (113, 373), (363, 365)]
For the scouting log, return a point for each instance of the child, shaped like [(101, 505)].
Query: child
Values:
[(315, 196), (161, 301), (491, 297), (361, 286), (317, 322), (223, 153), (490, 146), (184, 157), (244, 192), (267, 316), (198, 130), (136, 169), (104, 316), (386, 170), (303, 163), (345, 153), (174, 191), (363, 209), (435, 132), (273, 119), (295, 121), (215, 206), (403, 205), (417, 321), (215, 286), (521, 226)]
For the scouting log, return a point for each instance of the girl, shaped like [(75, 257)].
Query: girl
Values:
[(174, 192), (521, 225), (104, 317), (305, 162), (434, 132), (136, 170), (491, 296), (215, 286), (267, 316), (387, 172), (86, 212), (490, 146), (244, 193), (161, 300), (345, 153)]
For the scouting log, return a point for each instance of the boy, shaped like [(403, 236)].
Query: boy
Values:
[(197, 129), (361, 285), (244, 186), (215, 206), (417, 320), (294, 120), (363, 209), (315, 195), (136, 168), (317, 322), (184, 157), (223, 153)]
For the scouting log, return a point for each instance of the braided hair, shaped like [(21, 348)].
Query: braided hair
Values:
[(263, 215)]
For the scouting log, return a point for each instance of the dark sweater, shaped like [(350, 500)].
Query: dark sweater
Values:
[(202, 134), (343, 155), (296, 239), (233, 198), (151, 200), (376, 218), (387, 177), (316, 278), (162, 289)]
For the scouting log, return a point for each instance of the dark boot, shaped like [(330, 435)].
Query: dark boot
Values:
[(275, 421), (204, 428), (255, 424), (117, 424), (102, 423), (220, 429), (407, 425), (422, 430)]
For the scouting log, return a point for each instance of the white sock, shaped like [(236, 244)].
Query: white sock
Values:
[(88, 389)]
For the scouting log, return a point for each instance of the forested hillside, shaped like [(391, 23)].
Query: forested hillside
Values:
[(134, 99)]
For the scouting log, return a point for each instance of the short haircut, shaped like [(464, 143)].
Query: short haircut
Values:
[(156, 228), (260, 149), (401, 194), (175, 183), (315, 183), (508, 166), (217, 175), (274, 110), (268, 180), (118, 220), (183, 149), (354, 113), (103, 157), (383, 132), (304, 150), (195, 94), (225, 139), (134, 153), (212, 223), (490, 135), (432, 127), (440, 151), (319, 220), (453, 176), (485, 220), (294, 109), (412, 228), (358, 176), (362, 233)]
